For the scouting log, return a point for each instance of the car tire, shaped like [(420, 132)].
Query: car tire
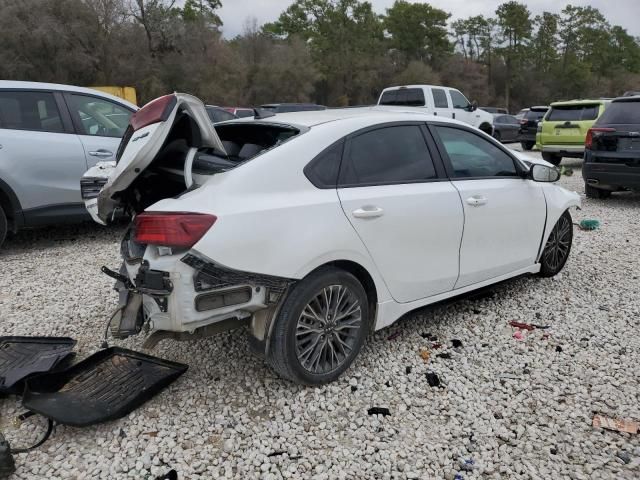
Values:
[(4, 226), (558, 247), (593, 192), (304, 320), (552, 158), (527, 145), (497, 136)]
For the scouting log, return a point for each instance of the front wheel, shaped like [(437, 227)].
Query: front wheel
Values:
[(320, 327), (552, 158), (4, 226), (556, 251), (527, 145)]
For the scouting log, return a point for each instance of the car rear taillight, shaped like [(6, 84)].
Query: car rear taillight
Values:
[(588, 141), (524, 122), (155, 111), (172, 229)]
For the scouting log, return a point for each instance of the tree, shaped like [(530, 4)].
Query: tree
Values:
[(202, 11), (419, 31), (514, 21)]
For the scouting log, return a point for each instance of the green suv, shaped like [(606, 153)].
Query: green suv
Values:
[(565, 126)]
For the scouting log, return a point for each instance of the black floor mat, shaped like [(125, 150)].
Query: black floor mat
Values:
[(21, 357), (105, 386)]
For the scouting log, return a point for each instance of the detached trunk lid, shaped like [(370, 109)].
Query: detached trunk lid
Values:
[(145, 137)]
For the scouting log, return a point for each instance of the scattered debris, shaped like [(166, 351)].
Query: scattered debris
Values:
[(277, 453), (624, 456), (458, 477), (428, 336), (446, 356), (425, 354), (518, 335), (384, 411), (436, 346), (523, 326), (433, 379), (604, 308), (553, 451), (558, 349), (456, 343), (354, 388), (407, 370), (170, 475), (393, 336), (467, 465), (541, 327), (388, 383), (545, 336), (628, 426), (7, 465), (153, 434), (589, 224)]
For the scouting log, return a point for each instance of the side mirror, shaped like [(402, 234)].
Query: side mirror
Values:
[(473, 106), (543, 173)]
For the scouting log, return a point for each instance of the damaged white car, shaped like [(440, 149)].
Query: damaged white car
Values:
[(316, 228)]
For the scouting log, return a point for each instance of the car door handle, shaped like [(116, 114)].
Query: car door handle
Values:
[(101, 153), (368, 212), (477, 200)]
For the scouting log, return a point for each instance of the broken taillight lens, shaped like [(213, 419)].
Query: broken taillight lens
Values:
[(588, 141), (155, 111), (172, 229)]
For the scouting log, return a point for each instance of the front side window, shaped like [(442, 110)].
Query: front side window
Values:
[(472, 156), (440, 98), (99, 117), (386, 156), (459, 100), (30, 111)]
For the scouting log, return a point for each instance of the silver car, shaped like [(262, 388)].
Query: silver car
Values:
[(49, 136)]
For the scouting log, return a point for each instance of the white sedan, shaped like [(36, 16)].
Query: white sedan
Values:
[(316, 228)]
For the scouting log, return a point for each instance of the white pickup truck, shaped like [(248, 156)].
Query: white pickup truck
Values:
[(440, 101)]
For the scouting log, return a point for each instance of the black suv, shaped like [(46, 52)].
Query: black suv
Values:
[(612, 150), (529, 126)]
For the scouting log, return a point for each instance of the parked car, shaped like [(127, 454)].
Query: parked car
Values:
[(219, 114), (441, 101), (520, 115), (241, 112), (291, 107), (505, 128), (314, 228), (49, 135), (495, 110), (564, 128), (529, 126), (612, 150)]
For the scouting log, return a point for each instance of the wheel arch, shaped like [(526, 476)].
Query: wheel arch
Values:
[(559, 200), (486, 128), (11, 206)]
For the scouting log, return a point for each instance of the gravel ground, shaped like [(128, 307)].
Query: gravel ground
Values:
[(516, 409)]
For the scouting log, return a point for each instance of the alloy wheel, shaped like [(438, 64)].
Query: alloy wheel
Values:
[(328, 329), (557, 249)]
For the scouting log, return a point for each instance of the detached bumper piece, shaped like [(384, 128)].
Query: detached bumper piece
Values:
[(23, 357), (105, 386)]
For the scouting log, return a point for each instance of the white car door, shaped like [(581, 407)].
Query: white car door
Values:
[(504, 213), (441, 102), (461, 108), (100, 124), (406, 212)]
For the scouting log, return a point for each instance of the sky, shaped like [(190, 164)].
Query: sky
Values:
[(625, 13)]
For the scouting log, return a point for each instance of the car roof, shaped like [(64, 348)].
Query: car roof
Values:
[(20, 85), (398, 87), (581, 102), (628, 98), (539, 107), (375, 114)]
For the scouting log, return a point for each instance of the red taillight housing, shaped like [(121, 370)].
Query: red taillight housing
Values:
[(172, 229), (155, 111), (524, 122), (588, 141)]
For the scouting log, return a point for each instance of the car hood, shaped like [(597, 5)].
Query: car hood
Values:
[(139, 149)]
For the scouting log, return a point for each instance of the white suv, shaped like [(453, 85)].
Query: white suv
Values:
[(49, 135), (439, 101), (315, 228)]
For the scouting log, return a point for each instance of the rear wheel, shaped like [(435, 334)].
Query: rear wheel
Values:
[(527, 145), (593, 192), (556, 251), (4, 226), (320, 327), (497, 136), (552, 158)]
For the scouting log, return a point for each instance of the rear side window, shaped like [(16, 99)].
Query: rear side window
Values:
[(472, 156), (322, 171), (573, 113), (440, 98), (534, 115), (30, 111), (621, 113), (386, 156), (411, 97)]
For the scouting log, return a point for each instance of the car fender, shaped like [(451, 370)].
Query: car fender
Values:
[(8, 198), (559, 200)]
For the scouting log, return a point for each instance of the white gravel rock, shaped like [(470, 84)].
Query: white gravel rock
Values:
[(518, 409)]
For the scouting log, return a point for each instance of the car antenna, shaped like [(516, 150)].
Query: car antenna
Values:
[(261, 113)]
